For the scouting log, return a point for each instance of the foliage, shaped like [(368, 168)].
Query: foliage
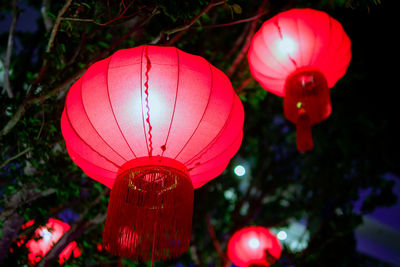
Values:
[(354, 148)]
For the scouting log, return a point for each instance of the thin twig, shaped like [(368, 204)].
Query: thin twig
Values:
[(10, 44), (216, 243), (120, 16), (42, 124), (81, 20), (244, 84), (80, 226), (28, 102), (247, 42), (82, 42), (238, 42), (185, 27), (57, 24), (23, 152), (235, 22)]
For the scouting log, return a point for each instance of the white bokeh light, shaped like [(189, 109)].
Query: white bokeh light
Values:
[(281, 235), (239, 170)]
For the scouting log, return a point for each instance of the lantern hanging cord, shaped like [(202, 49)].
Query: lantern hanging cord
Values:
[(146, 85)]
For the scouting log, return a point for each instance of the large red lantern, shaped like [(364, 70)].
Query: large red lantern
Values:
[(254, 245), (45, 238), (299, 54), (152, 123)]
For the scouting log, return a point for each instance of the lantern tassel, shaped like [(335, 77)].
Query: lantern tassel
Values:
[(149, 215), (303, 132), (307, 102)]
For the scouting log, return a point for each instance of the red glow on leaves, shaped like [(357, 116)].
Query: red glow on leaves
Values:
[(45, 237)]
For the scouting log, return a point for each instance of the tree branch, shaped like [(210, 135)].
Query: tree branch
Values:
[(11, 220), (235, 22), (244, 84), (57, 24), (216, 243), (120, 16), (23, 152), (10, 44), (185, 27), (22, 108), (80, 226), (29, 101), (247, 42)]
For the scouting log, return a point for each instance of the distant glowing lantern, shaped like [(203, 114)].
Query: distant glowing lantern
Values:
[(254, 245), (45, 238), (152, 123), (299, 54)]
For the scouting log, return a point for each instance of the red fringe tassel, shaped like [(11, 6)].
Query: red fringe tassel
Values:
[(307, 102), (303, 132), (149, 215)]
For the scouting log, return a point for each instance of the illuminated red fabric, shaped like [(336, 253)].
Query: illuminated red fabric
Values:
[(287, 57), (294, 39), (152, 101), (249, 245), (47, 236)]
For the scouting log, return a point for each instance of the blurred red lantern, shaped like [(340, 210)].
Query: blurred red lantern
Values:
[(299, 54), (254, 245), (45, 238), (152, 123)]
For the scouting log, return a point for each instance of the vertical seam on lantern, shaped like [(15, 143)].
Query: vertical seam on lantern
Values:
[(276, 23), (330, 63), (141, 98), (112, 109), (299, 42), (176, 97), (313, 57), (73, 129), (94, 128), (208, 147), (204, 112), (329, 43)]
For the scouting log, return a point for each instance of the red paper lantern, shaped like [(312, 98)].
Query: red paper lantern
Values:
[(299, 54), (45, 238), (254, 245), (152, 123)]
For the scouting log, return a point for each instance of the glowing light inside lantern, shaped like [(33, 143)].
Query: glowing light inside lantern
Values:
[(239, 170), (156, 102), (281, 235), (287, 46), (254, 243), (46, 235)]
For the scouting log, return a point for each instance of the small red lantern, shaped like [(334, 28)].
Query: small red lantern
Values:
[(254, 245), (153, 123), (46, 237), (299, 54)]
